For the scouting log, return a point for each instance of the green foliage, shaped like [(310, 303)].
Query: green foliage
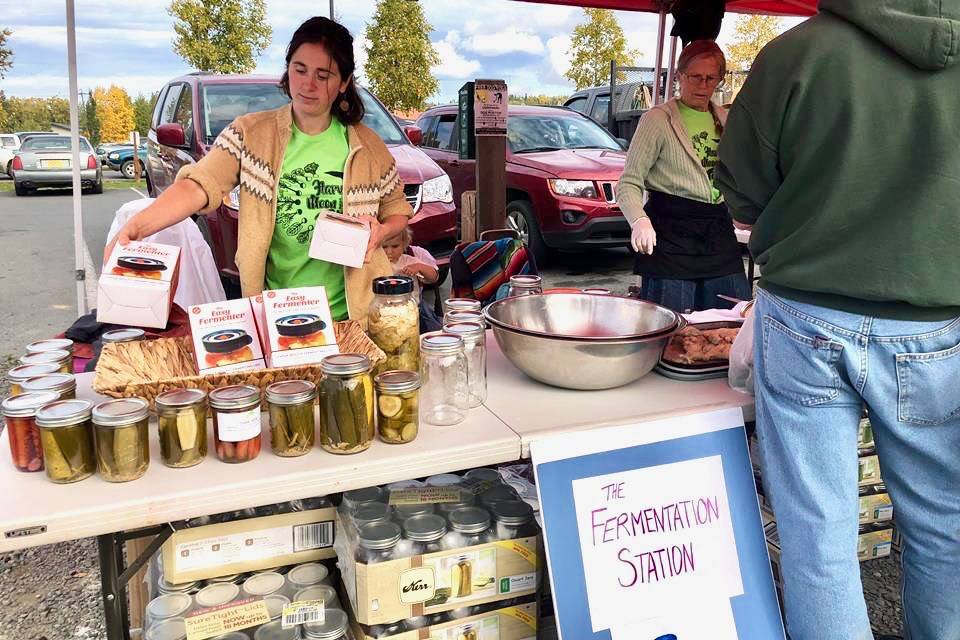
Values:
[(751, 35), (90, 121), (143, 112), (220, 36), (594, 44), (400, 55), (540, 99), (34, 114), (6, 55)]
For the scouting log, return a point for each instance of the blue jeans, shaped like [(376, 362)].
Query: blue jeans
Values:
[(695, 295), (815, 368)]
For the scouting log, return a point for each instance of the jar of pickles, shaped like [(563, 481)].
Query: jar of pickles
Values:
[(19, 412), (236, 422), (398, 416), (63, 359), (346, 404), (122, 438), (394, 323), (66, 435), (54, 344), (63, 384), (182, 414), (475, 351), (17, 375), (460, 304), (443, 371), (292, 420)]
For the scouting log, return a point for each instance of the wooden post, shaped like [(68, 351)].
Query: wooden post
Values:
[(491, 182), (136, 156), (468, 216), (137, 588)]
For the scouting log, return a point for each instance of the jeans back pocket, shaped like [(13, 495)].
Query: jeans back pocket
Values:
[(926, 385), (799, 367)]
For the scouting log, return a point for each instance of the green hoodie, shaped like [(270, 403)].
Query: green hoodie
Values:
[(843, 152)]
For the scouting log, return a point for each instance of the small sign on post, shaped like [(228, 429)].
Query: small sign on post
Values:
[(490, 107)]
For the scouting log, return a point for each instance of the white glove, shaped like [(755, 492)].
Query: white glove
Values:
[(642, 236)]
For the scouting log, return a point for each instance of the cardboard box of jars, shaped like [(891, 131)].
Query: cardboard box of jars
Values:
[(502, 620), (406, 552)]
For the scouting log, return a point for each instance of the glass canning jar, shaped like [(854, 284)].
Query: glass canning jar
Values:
[(346, 404), (460, 304), (292, 419), (463, 315), (426, 531), (307, 575), (475, 351), (352, 500), (122, 438), (443, 375), (168, 605), (333, 627), (17, 375), (236, 422), (371, 512), (514, 519), (63, 384), (19, 412), (471, 524), (63, 359), (66, 435), (182, 418), (377, 542), (275, 631), (54, 344), (123, 335), (393, 323), (525, 285), (398, 415)]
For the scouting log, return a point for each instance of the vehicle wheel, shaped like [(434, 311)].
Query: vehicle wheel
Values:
[(520, 218), (98, 188), (127, 169), (20, 189)]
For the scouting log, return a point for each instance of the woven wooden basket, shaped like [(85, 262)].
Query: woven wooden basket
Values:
[(151, 367)]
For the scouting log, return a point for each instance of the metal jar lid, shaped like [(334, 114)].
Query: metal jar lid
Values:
[(462, 304), (498, 493), (512, 513), (345, 364), (425, 528), (398, 381), (235, 635), (322, 592), (463, 315), (120, 413), (64, 413), (371, 512), (291, 392), (275, 631), (180, 399), (308, 574), (26, 405), (217, 594), (483, 474), (236, 396), (392, 285), (405, 511), (358, 497), (404, 484), (263, 584), (169, 605), (466, 500), (184, 587), (444, 480), (379, 535), (123, 335), (27, 371), (469, 520), (54, 344), (439, 342), (58, 382), (169, 629), (333, 626), (276, 602), (58, 356), (235, 578)]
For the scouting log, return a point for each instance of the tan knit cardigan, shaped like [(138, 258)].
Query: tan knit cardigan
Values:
[(249, 152)]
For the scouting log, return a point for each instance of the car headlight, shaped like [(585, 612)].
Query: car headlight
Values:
[(233, 199), (574, 188), (113, 156), (438, 189)]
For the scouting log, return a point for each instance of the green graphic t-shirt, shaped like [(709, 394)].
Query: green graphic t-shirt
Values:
[(311, 181), (703, 134)]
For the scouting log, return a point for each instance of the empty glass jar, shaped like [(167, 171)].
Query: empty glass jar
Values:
[(525, 285), (460, 304), (378, 542), (443, 375), (426, 531), (475, 351)]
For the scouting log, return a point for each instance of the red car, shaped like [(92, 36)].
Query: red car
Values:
[(192, 110), (562, 172)]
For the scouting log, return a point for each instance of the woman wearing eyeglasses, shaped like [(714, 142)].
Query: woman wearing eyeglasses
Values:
[(683, 233)]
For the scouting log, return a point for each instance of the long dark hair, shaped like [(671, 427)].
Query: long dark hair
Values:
[(336, 39)]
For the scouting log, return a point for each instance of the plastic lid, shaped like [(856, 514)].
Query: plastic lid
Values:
[(443, 480), (25, 405), (62, 344), (441, 343), (275, 631), (123, 335), (470, 520), (46, 357), (300, 324), (217, 594), (234, 397), (225, 340), (379, 535), (333, 626), (169, 629), (275, 605), (392, 285), (468, 330), (318, 592), (362, 496), (50, 382), (169, 605), (308, 574), (483, 474), (263, 584), (425, 528), (179, 398), (291, 392), (466, 304), (512, 512), (140, 263), (371, 512), (27, 371), (64, 413), (398, 381), (119, 413), (345, 364)]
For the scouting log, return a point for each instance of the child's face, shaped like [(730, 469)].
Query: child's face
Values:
[(393, 248)]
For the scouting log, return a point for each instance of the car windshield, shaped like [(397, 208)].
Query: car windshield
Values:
[(550, 132), (51, 143), (224, 102)]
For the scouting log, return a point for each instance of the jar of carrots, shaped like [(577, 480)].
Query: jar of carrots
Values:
[(236, 422), (19, 412)]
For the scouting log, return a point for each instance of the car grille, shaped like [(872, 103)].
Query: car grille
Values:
[(609, 191), (412, 193)]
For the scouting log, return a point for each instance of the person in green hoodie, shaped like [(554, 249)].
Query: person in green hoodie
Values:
[(842, 152)]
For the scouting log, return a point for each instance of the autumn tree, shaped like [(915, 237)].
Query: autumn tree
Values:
[(751, 35), (595, 43), (221, 36), (91, 120), (6, 55), (115, 112), (143, 112), (400, 55)]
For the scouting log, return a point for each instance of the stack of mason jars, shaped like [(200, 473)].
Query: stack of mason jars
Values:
[(380, 631)]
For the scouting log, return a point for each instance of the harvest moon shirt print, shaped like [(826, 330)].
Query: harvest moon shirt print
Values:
[(311, 181)]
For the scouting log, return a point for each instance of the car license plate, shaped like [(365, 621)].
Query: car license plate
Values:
[(54, 164)]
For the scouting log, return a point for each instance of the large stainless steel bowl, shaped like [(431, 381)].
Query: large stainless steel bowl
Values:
[(582, 341)]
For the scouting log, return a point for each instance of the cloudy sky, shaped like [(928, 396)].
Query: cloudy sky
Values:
[(129, 43)]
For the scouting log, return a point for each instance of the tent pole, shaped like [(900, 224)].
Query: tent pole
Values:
[(657, 82), (78, 250), (671, 69)]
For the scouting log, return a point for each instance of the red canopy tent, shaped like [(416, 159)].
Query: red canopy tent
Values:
[(770, 7)]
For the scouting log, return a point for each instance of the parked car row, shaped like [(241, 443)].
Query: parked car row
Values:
[(46, 161)]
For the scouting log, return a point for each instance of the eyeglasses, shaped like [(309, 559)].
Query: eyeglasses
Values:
[(697, 78)]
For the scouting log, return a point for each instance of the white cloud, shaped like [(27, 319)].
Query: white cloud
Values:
[(46, 86), (509, 40), (558, 47), (56, 36), (452, 64), (360, 45)]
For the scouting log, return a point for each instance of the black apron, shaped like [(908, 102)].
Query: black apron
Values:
[(695, 240)]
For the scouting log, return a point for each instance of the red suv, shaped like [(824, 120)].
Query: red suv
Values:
[(562, 172), (192, 110)]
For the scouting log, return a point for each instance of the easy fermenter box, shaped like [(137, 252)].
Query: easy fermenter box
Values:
[(138, 284)]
